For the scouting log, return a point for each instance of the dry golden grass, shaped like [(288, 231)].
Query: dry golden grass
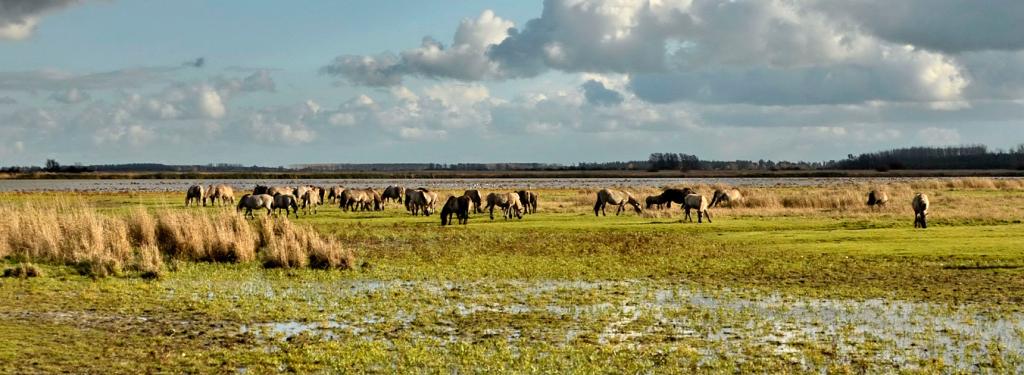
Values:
[(102, 245), (980, 198), (289, 246)]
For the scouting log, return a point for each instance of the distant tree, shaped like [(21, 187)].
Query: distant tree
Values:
[(52, 165)]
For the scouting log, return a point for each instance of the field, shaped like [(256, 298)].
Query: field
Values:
[(796, 279)]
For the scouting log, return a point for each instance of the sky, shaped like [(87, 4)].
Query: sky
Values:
[(564, 81)]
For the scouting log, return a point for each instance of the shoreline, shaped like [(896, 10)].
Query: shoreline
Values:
[(441, 174)]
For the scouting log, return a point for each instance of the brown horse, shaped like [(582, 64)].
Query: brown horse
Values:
[(286, 202), (474, 196), (334, 193), (673, 195), (877, 199), (421, 201), (395, 193), (529, 200), (194, 195), (653, 201), (255, 201), (728, 196), (224, 193), (616, 198), (458, 206), (508, 202)]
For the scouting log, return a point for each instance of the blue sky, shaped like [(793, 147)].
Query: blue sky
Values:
[(462, 81)]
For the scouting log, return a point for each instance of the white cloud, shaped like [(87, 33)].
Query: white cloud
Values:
[(133, 135), (464, 60)]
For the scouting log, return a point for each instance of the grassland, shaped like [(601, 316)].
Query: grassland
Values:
[(796, 280)]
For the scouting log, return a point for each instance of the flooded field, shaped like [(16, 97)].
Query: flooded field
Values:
[(481, 183), (721, 325), (799, 277)]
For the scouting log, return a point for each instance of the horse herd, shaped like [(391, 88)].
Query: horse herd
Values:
[(308, 198), (422, 201)]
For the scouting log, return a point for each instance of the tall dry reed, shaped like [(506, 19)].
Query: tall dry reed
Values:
[(140, 241)]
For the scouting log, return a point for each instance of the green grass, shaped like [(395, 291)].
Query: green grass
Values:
[(557, 291)]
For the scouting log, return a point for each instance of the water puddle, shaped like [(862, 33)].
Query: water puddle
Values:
[(722, 325)]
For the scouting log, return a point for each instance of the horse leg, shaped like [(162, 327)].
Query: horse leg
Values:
[(707, 214)]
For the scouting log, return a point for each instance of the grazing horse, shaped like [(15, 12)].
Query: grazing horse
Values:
[(474, 196), (194, 194), (920, 204), (529, 200), (225, 193), (286, 202), (727, 196), (334, 193), (255, 201), (653, 201), (378, 201), (877, 199), (672, 195), (393, 193), (354, 199), (321, 192), (617, 198), (699, 203), (275, 190), (508, 202), (298, 192), (311, 199), (421, 201), (459, 206)]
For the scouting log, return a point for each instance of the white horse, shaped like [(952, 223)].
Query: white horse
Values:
[(920, 204), (699, 203), (311, 200)]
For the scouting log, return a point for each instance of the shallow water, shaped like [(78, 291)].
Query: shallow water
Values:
[(481, 183), (720, 324)]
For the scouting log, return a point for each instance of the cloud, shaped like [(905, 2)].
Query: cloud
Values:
[(7, 100), (70, 96), (133, 135), (952, 26), (259, 80), (19, 18), (772, 52), (597, 94), (465, 59), (902, 75)]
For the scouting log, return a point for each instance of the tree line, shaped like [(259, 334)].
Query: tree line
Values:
[(922, 158)]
